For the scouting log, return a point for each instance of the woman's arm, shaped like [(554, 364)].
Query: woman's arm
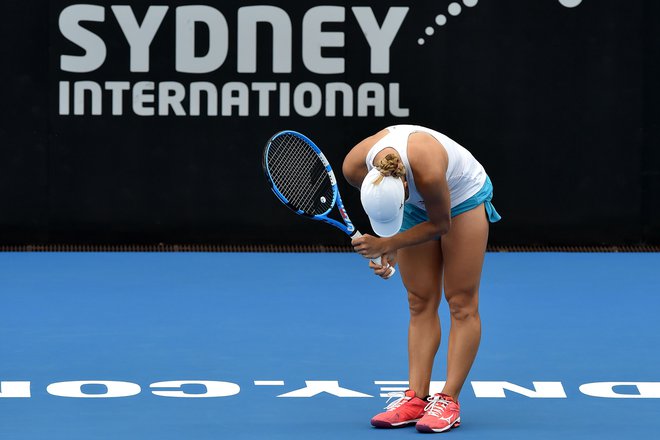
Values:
[(354, 167)]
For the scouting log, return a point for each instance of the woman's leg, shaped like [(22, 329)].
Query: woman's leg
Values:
[(421, 270), (463, 250)]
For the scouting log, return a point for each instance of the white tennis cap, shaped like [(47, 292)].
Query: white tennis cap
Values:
[(383, 202)]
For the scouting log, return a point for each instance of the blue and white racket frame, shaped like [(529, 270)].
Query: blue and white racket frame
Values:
[(347, 227)]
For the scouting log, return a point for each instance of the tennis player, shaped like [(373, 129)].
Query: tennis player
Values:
[(429, 200)]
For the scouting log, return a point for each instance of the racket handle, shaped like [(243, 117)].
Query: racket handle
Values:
[(376, 260), (392, 269)]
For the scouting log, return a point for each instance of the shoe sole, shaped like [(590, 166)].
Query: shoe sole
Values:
[(387, 425), (424, 428)]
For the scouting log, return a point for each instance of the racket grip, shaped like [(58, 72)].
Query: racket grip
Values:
[(376, 260), (392, 271)]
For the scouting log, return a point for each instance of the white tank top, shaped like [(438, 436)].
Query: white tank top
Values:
[(465, 176)]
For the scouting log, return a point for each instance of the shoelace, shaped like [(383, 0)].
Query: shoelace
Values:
[(436, 405), (398, 402)]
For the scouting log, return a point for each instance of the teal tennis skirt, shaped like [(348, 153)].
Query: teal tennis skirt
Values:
[(412, 215)]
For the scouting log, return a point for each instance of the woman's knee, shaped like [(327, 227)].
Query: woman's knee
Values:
[(421, 302), (463, 303)]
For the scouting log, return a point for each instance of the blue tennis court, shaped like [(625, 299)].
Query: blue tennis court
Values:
[(570, 346)]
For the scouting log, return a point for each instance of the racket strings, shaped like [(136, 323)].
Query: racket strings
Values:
[(294, 159), (300, 175), (281, 152), (306, 195)]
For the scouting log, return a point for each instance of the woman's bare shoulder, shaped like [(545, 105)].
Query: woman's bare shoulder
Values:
[(354, 167), (370, 141), (426, 152)]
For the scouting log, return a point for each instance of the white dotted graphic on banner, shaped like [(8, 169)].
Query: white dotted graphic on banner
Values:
[(455, 8)]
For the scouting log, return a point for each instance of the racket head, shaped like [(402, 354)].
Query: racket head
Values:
[(299, 174)]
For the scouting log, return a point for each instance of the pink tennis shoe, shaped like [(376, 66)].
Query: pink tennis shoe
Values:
[(442, 413), (405, 410)]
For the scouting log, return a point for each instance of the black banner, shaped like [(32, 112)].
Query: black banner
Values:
[(145, 122)]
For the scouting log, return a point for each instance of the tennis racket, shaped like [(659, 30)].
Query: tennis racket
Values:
[(301, 177)]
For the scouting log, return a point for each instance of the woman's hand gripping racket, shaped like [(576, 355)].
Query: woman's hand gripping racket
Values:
[(302, 178)]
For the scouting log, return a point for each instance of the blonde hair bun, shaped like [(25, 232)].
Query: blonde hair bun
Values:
[(390, 165)]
